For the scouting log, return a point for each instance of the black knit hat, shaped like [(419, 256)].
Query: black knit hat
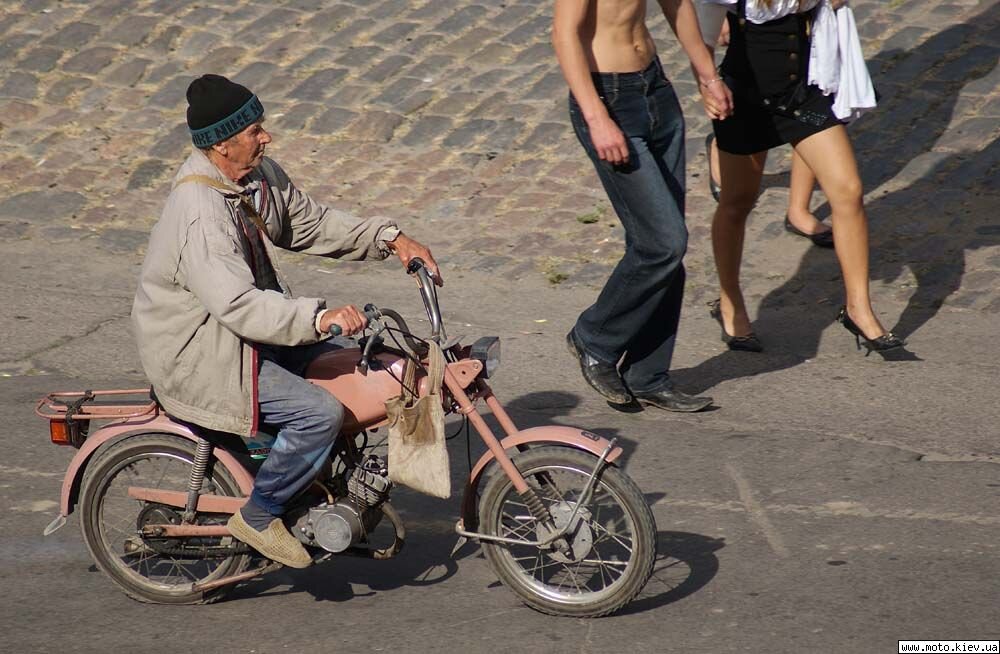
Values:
[(218, 109)]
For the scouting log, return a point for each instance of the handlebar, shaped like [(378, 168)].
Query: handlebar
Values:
[(428, 293)]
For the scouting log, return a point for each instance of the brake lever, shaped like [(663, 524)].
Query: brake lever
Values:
[(374, 317)]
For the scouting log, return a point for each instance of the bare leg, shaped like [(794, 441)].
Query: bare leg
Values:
[(830, 156), (740, 176), (714, 162), (799, 195)]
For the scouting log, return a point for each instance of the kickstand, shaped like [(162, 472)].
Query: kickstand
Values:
[(459, 544)]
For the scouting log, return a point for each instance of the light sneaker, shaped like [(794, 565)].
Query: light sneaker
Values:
[(275, 542)]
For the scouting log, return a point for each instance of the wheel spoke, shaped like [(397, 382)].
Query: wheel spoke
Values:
[(142, 558), (522, 528), (608, 535), (183, 569), (604, 563), (546, 483), (539, 563), (163, 473), (574, 577), (571, 572)]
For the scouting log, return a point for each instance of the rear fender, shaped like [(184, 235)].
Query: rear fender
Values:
[(549, 435), (122, 430)]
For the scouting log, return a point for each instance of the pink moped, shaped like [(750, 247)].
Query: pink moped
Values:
[(560, 523)]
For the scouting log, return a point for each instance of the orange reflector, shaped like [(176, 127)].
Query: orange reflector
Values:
[(59, 432)]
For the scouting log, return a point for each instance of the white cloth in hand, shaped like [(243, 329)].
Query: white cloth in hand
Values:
[(837, 64)]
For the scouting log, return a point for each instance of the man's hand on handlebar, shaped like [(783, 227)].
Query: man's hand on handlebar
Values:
[(349, 319), (406, 248)]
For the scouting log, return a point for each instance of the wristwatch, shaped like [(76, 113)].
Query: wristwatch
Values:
[(386, 236)]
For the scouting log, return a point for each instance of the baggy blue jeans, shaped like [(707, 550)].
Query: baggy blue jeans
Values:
[(635, 317), (306, 417)]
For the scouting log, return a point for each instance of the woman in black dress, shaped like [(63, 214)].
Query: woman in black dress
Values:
[(766, 67)]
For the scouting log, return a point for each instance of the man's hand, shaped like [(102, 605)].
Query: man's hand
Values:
[(608, 140), (350, 319), (717, 98), (837, 4), (406, 248)]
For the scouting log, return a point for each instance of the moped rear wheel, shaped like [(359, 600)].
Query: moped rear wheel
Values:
[(160, 570), (610, 546)]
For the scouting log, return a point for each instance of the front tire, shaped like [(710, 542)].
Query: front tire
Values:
[(111, 520), (611, 543)]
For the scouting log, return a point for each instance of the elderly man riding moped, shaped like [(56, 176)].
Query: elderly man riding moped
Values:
[(222, 340)]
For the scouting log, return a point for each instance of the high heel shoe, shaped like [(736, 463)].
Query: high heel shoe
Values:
[(748, 343), (713, 186), (822, 239), (887, 341)]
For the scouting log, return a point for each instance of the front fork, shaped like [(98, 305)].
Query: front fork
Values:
[(555, 537)]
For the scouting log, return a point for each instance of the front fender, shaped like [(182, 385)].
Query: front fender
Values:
[(550, 434), (133, 427)]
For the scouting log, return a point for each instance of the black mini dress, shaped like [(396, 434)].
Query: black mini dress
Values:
[(767, 68)]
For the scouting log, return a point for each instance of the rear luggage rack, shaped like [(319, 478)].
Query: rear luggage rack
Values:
[(69, 413), (96, 405)]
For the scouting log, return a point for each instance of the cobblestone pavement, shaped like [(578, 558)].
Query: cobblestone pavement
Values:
[(451, 116)]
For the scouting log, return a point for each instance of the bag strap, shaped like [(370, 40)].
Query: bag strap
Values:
[(222, 186), (435, 374), (409, 393)]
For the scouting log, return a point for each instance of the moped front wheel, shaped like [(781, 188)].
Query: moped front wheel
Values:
[(607, 554), (149, 569)]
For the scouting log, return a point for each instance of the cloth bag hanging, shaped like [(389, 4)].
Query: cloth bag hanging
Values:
[(418, 456)]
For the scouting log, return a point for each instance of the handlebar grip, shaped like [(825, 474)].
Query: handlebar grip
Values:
[(416, 263), (371, 312)]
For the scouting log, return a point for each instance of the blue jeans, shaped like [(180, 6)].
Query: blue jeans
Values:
[(635, 317), (306, 417)]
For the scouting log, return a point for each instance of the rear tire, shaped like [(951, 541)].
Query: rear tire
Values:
[(613, 540), (110, 520)]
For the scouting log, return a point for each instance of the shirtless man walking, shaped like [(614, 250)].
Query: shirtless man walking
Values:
[(626, 116)]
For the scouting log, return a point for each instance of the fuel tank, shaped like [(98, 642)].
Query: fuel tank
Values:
[(363, 394)]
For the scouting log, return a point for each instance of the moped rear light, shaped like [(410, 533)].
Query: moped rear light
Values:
[(68, 432)]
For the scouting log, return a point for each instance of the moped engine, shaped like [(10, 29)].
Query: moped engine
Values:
[(348, 520)]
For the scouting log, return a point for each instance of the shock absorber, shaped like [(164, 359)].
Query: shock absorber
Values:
[(201, 454), (541, 513), (535, 505)]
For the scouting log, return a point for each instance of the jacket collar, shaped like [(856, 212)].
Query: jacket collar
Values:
[(198, 163)]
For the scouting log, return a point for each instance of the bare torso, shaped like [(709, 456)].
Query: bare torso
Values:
[(615, 38)]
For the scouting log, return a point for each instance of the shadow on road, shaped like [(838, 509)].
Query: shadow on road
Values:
[(685, 564), (547, 407), (424, 561)]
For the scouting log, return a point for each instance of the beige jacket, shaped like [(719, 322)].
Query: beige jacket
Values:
[(196, 309)]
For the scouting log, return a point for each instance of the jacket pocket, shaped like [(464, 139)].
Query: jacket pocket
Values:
[(189, 358)]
